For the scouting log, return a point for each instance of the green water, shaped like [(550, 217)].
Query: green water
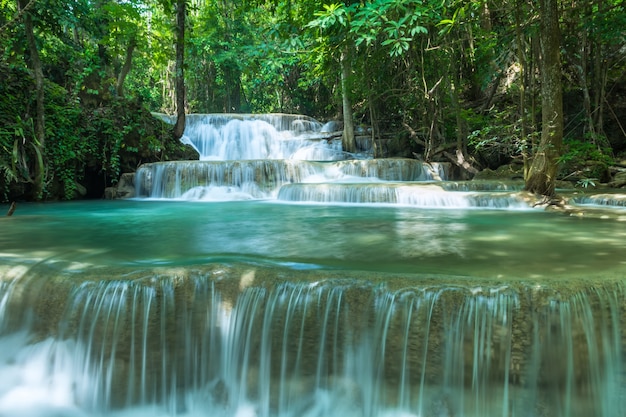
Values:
[(473, 243)]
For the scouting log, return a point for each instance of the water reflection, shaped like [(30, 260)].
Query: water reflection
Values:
[(419, 236)]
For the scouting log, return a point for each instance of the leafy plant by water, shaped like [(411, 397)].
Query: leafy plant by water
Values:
[(584, 158), (586, 182), (82, 142)]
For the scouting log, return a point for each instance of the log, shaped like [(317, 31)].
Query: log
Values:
[(12, 208), (460, 160)]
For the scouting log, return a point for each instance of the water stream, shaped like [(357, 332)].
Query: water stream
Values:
[(276, 285)]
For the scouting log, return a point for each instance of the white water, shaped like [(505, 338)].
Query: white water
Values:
[(418, 195), (263, 179), (168, 346), (602, 199), (260, 343), (246, 157), (245, 137), (294, 158), (281, 157)]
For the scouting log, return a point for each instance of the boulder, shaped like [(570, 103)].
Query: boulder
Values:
[(619, 180), (125, 187), (81, 191), (504, 172)]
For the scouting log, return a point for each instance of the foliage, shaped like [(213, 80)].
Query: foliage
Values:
[(66, 148), (582, 157), (449, 73), (586, 182), (15, 156), (103, 141), (495, 137)]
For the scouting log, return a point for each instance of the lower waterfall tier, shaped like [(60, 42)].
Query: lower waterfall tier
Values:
[(416, 194), (248, 340), (258, 179)]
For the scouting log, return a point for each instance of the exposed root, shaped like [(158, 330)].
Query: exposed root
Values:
[(554, 202)]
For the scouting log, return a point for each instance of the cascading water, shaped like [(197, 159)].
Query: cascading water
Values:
[(223, 137), (288, 157), (398, 293), (215, 342)]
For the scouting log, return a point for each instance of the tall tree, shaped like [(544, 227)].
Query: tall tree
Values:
[(128, 62), (348, 142), (334, 30), (40, 126), (124, 34), (541, 177), (179, 127)]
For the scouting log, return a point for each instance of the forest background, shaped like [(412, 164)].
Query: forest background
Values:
[(539, 84)]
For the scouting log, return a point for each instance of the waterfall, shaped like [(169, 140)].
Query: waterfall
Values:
[(256, 179), (412, 195), (251, 157), (294, 158), (343, 286), (232, 342), (603, 199), (227, 137)]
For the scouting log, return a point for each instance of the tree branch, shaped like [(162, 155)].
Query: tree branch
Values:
[(17, 16)]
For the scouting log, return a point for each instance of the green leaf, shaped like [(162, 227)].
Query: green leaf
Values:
[(418, 29)]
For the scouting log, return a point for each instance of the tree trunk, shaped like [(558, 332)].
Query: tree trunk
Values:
[(542, 174), (521, 57), (378, 151), (454, 87), (347, 140), (599, 78), (232, 83), (128, 62), (40, 127), (432, 116), (179, 127)]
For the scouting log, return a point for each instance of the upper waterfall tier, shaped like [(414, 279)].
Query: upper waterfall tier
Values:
[(227, 137)]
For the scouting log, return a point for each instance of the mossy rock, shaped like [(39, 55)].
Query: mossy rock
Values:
[(503, 172)]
